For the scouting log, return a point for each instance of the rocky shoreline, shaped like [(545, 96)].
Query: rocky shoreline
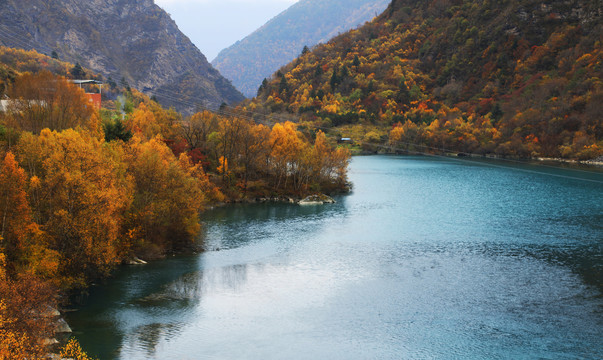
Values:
[(594, 162), (59, 333), (315, 199)]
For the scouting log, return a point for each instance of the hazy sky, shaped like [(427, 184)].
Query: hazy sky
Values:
[(213, 25)]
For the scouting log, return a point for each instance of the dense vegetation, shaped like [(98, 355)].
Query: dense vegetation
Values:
[(512, 78), (305, 23), (82, 192)]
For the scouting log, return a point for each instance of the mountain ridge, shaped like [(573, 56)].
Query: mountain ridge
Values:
[(282, 38), (131, 39)]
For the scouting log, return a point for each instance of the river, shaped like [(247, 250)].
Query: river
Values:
[(427, 258)]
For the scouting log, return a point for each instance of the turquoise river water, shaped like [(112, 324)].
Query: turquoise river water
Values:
[(427, 258)]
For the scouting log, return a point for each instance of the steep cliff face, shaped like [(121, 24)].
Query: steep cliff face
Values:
[(131, 39), (306, 23)]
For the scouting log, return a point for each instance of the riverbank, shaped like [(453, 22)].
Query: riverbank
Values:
[(596, 162)]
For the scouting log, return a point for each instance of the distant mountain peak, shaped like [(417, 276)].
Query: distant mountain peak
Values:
[(280, 40)]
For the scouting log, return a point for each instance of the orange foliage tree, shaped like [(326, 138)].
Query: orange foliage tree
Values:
[(23, 241), (80, 197), (24, 302), (44, 100)]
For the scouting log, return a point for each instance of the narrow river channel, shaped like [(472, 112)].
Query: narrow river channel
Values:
[(427, 258)]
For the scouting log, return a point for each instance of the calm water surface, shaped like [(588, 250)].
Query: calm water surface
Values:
[(426, 259)]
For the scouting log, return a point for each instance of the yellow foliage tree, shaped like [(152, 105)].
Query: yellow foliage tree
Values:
[(167, 197), (80, 200), (222, 166), (144, 123), (73, 350), (286, 154)]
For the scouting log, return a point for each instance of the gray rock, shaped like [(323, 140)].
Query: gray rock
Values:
[(61, 327), (317, 199), (136, 261)]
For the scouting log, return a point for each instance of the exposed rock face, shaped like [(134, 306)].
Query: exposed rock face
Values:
[(306, 23), (133, 39)]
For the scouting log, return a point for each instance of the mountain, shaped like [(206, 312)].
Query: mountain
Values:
[(306, 23), (131, 39), (516, 78)]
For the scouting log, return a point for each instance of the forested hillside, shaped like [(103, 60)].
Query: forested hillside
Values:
[(83, 191), (134, 42), (14, 62), (513, 78), (305, 23)]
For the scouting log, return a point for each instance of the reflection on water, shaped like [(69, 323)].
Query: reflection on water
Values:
[(426, 259), (146, 338), (173, 302), (238, 225)]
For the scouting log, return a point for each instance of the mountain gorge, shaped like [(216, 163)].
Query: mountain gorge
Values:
[(133, 40), (306, 23), (513, 78)]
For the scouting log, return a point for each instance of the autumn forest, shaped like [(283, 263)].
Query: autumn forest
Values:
[(501, 78), (84, 190)]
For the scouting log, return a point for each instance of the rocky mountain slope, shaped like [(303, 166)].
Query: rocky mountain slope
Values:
[(306, 23), (134, 40)]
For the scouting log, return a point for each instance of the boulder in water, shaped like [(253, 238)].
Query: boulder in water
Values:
[(136, 261), (317, 199)]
